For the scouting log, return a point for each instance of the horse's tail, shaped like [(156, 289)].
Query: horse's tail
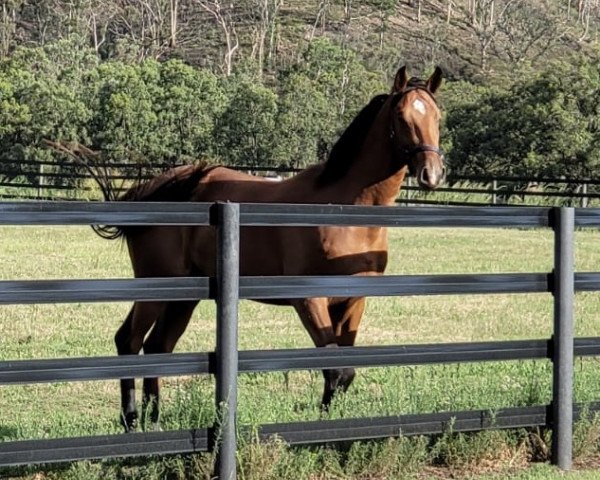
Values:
[(88, 158), (174, 185), (108, 232)]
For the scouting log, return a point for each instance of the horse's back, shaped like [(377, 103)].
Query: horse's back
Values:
[(225, 184)]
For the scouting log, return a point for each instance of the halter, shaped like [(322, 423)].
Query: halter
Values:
[(407, 153)]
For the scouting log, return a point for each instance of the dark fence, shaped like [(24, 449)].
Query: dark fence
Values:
[(227, 288), (467, 190), (46, 180)]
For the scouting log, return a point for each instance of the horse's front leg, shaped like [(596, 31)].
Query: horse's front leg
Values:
[(346, 317), (314, 313)]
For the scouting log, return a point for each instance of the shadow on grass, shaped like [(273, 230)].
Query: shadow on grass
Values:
[(7, 433)]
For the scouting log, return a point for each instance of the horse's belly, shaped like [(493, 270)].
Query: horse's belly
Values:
[(312, 251), (275, 251)]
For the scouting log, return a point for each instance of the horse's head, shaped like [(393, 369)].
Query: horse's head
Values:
[(415, 127)]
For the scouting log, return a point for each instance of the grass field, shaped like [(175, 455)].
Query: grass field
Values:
[(53, 331)]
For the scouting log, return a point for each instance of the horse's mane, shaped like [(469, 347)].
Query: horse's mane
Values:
[(346, 148), (173, 185)]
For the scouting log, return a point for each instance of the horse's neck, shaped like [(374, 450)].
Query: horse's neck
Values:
[(383, 192), (375, 180)]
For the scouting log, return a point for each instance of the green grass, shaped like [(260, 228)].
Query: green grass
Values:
[(86, 408)]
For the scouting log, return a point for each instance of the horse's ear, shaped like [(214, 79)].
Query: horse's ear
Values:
[(400, 81), (435, 80)]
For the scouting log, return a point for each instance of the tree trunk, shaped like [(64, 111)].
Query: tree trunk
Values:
[(227, 25), (174, 23)]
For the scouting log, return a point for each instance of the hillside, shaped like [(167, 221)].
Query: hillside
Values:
[(472, 39)]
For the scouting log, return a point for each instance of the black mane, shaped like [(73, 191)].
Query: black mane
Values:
[(347, 147)]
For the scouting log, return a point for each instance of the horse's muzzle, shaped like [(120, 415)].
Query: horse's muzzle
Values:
[(431, 177)]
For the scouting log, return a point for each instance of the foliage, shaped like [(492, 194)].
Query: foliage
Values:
[(544, 122), (338, 73), (187, 105), (43, 100), (306, 122), (545, 125), (318, 98), (245, 129)]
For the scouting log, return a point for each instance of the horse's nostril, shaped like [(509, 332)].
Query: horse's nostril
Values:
[(425, 176)]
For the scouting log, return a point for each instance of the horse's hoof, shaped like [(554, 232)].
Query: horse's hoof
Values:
[(129, 421), (324, 410), (154, 427)]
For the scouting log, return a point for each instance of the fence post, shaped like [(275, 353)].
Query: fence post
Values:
[(494, 189), (584, 199), (562, 396), (227, 297), (40, 182)]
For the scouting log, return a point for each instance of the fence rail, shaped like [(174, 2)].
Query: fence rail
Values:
[(227, 288), (18, 372), (67, 181)]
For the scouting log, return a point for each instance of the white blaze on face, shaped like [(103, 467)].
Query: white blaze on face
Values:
[(419, 106)]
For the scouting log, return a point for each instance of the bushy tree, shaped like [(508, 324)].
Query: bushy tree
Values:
[(318, 98), (306, 122), (340, 76), (547, 125), (43, 89), (12, 114), (245, 130), (187, 104), (124, 122), (169, 112), (14, 120)]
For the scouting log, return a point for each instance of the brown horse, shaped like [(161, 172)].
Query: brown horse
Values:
[(393, 135)]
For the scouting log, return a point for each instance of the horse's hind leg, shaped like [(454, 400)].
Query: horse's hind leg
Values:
[(163, 338), (129, 339), (345, 318)]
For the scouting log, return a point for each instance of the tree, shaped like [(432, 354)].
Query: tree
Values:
[(223, 17), (8, 25), (263, 15), (125, 122), (187, 104), (384, 9), (15, 117), (526, 31), (548, 125), (43, 88), (339, 75), (305, 122), (245, 129), (320, 17)]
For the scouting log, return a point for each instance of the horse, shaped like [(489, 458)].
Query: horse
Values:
[(394, 135)]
